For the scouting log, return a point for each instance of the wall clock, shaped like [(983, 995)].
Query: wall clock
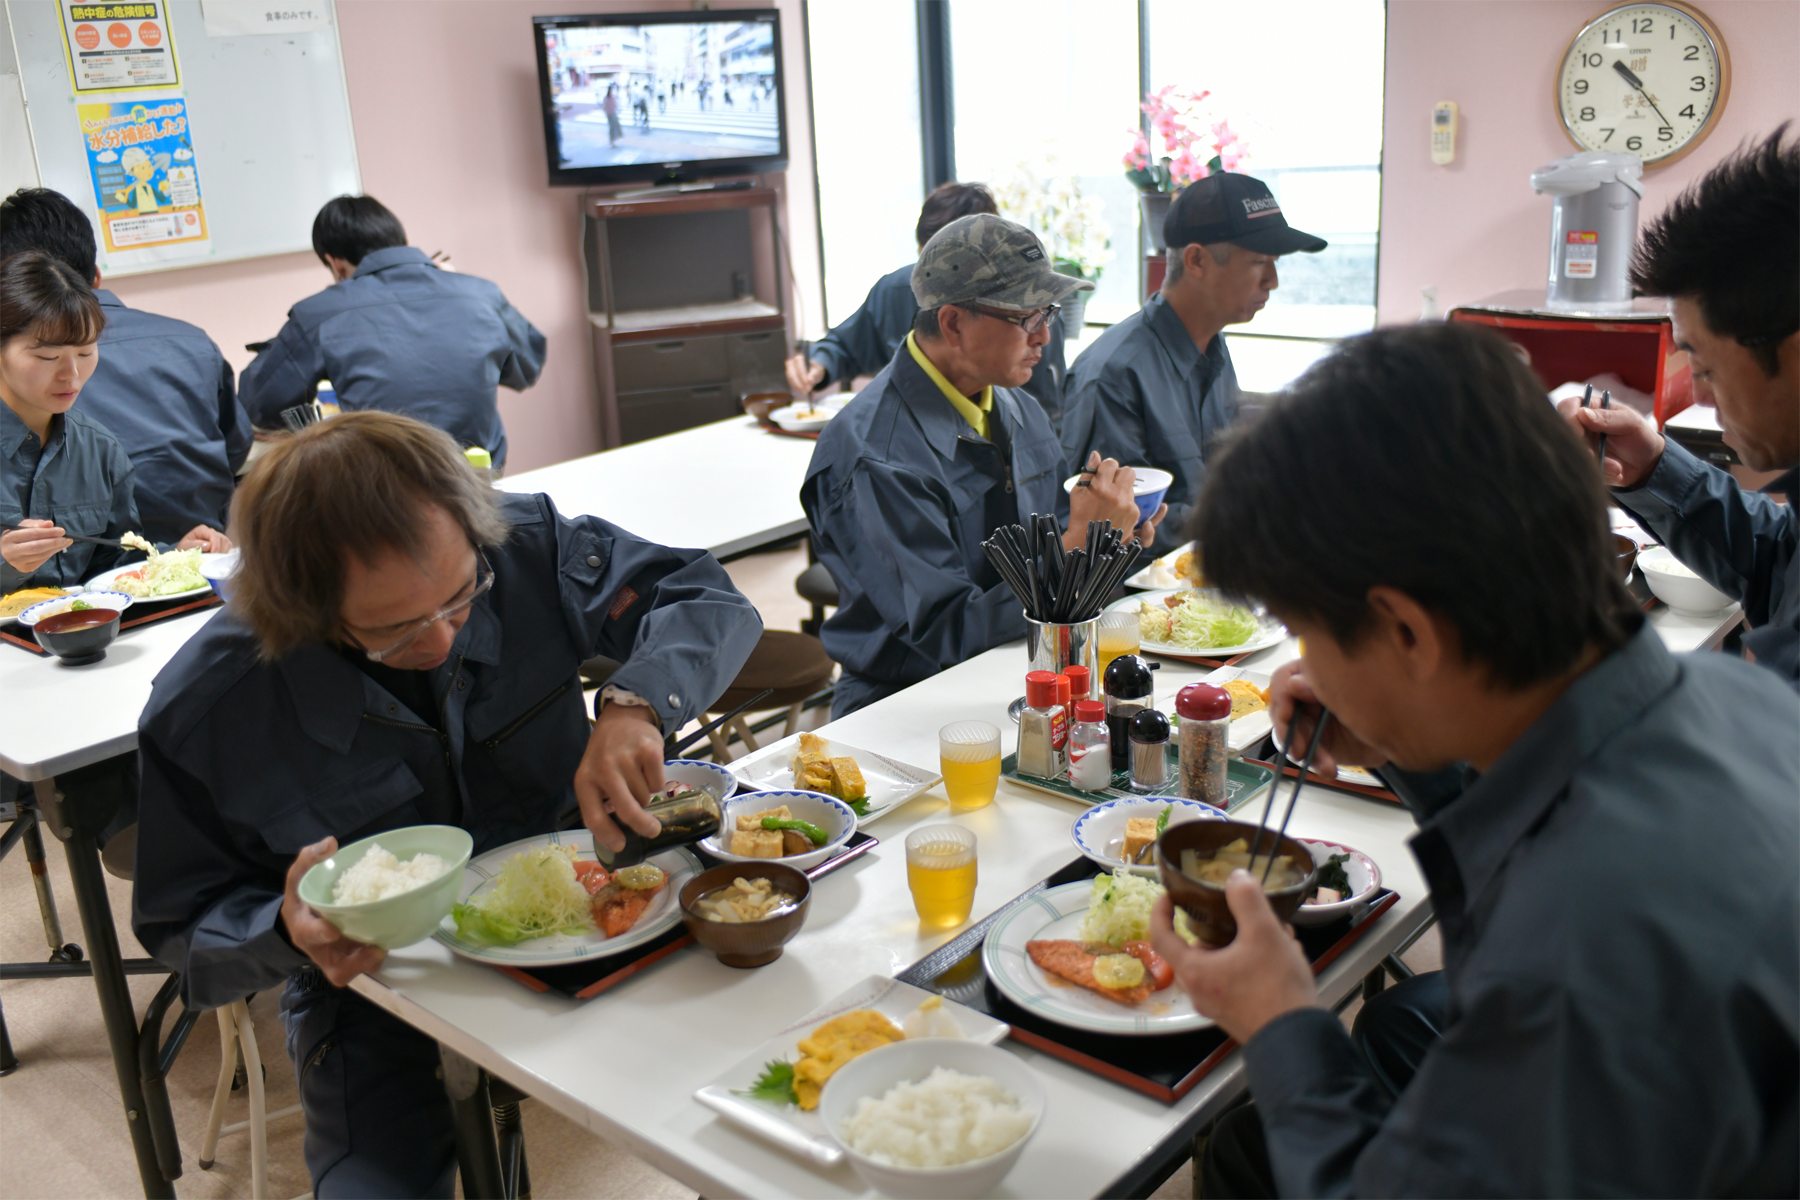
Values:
[(1645, 79)]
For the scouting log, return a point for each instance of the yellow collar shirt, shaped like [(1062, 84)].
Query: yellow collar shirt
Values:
[(975, 412)]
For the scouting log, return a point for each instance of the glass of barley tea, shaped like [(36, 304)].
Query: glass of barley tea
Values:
[(969, 756), (940, 870)]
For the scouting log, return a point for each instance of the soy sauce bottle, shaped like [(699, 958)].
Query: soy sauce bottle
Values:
[(685, 820), (1129, 690)]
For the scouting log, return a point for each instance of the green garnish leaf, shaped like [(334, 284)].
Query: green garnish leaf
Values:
[(859, 806), (775, 1084), (1162, 819), (80, 606)]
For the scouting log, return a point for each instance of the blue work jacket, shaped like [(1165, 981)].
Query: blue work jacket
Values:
[(900, 494), (866, 340), (1144, 394), (402, 336), (167, 394), (1741, 542), (80, 479), (245, 762)]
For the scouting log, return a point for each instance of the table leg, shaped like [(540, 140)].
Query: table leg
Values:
[(92, 902), (477, 1150)]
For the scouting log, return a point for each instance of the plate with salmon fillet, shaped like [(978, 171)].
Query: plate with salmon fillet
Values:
[(1038, 958), (547, 901)]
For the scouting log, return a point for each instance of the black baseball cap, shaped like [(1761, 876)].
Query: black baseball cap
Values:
[(1225, 207)]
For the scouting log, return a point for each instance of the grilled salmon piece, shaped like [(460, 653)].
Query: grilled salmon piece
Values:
[(617, 908), (1074, 961)]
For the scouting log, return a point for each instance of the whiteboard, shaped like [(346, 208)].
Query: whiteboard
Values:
[(269, 121)]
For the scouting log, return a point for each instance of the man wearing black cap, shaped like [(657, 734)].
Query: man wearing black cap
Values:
[(938, 452), (1157, 388)]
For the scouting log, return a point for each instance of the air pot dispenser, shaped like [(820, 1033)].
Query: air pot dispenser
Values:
[(1593, 228)]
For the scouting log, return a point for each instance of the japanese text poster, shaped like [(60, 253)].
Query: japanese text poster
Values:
[(118, 47), (146, 182)]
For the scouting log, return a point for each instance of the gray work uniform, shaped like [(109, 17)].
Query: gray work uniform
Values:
[(1740, 542), (246, 762), (404, 337), (1618, 898), (80, 479), (866, 340), (1144, 394), (900, 494), (166, 393)]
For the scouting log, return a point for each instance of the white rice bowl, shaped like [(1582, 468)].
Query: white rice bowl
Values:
[(944, 1120), (378, 875)]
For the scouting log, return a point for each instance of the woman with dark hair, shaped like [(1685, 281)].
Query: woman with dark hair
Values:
[(61, 472)]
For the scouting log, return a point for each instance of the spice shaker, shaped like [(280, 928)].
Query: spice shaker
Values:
[(1129, 689), (1203, 713), (1149, 751), (1090, 748), (1080, 682), (686, 816), (1043, 727)]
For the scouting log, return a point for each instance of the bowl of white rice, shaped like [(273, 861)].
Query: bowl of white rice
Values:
[(933, 1117), (392, 889), (1678, 585)]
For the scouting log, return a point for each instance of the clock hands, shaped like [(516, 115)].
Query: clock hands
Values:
[(1627, 74)]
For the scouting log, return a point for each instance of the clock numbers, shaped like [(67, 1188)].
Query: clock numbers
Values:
[(1692, 55), (1641, 25), (1616, 70), (1687, 112)]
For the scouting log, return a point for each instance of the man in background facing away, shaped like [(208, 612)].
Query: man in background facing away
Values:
[(397, 333)]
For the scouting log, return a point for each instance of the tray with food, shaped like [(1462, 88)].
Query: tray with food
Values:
[(15, 633), (1067, 1000), (1178, 569), (774, 1090), (166, 575), (867, 782), (1244, 780), (1199, 624)]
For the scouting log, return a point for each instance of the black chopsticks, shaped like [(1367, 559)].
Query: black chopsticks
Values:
[(71, 537), (1605, 402), (1312, 747), (1057, 586)]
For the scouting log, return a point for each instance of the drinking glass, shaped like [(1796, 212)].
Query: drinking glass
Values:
[(969, 755), (940, 870), (1118, 635)]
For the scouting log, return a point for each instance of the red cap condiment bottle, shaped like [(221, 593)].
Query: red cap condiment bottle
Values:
[(1203, 717)]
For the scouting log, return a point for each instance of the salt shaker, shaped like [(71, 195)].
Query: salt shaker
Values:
[(1149, 751), (1090, 748), (1203, 713), (1129, 689), (1043, 728)]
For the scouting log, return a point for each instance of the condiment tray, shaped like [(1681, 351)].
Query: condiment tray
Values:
[(890, 783), (804, 1133)]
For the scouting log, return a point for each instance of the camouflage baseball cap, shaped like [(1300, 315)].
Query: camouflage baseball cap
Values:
[(987, 259)]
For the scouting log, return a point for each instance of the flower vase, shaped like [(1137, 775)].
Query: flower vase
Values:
[(1074, 315), (1156, 207)]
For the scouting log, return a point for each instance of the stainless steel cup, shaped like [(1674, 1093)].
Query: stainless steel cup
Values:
[(1054, 647)]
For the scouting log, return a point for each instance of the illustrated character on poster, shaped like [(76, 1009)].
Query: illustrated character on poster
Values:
[(143, 166)]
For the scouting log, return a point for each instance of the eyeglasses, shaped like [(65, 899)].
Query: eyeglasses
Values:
[(484, 581), (1030, 322)]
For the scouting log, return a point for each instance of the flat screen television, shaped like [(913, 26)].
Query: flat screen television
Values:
[(668, 97)]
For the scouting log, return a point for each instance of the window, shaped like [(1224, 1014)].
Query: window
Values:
[(865, 101)]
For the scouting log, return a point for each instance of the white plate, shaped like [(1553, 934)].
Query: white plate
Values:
[(1271, 632), (789, 419), (104, 582), (889, 783), (1154, 577), (804, 1133), (1099, 833), (1364, 876), (117, 601), (557, 949), (1058, 913)]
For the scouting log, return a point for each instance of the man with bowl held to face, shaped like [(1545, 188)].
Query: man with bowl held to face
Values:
[(1725, 252), (938, 452), (401, 647), (1607, 829)]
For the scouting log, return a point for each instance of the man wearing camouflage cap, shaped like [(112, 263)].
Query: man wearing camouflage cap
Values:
[(934, 455), (1158, 388)]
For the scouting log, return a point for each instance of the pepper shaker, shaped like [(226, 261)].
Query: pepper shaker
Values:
[(1149, 751), (1203, 712)]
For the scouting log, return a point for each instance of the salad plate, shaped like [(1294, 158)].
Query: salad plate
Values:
[(559, 949), (890, 783), (1057, 913), (1268, 631), (104, 582)]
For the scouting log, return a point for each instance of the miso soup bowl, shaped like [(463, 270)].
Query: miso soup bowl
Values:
[(78, 638), (754, 943), (1205, 904)]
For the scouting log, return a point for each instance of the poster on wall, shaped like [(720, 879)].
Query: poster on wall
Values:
[(146, 180), (118, 47), (251, 18)]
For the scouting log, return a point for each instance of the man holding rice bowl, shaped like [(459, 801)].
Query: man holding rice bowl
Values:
[(1608, 830), (401, 647)]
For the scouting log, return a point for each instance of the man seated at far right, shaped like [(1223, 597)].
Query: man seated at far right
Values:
[(1158, 388), (1727, 253)]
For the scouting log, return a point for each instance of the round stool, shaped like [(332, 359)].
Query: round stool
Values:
[(794, 666)]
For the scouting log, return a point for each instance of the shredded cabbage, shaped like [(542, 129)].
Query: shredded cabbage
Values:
[(1119, 908), (164, 575), (1202, 623), (536, 894)]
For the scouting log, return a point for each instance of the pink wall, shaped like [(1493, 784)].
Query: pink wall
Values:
[(448, 133), (1475, 227)]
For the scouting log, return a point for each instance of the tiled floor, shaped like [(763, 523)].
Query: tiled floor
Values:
[(62, 1131)]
